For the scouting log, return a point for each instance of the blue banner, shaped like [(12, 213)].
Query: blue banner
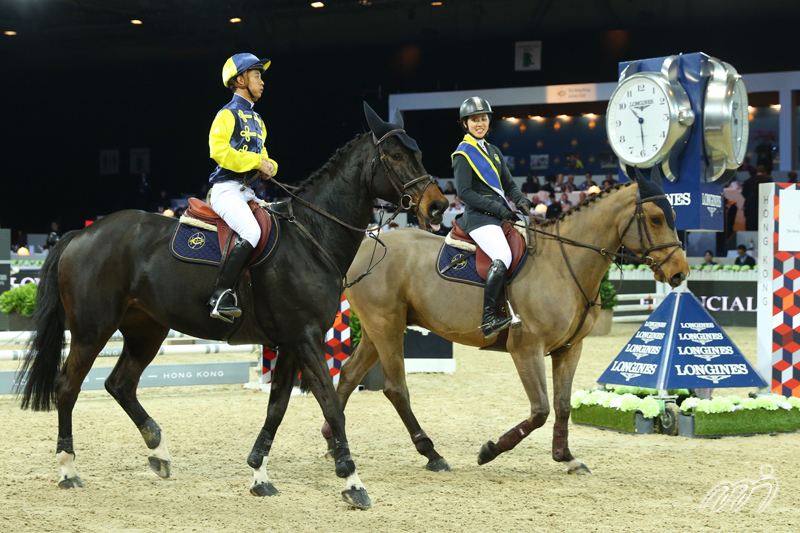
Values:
[(681, 346)]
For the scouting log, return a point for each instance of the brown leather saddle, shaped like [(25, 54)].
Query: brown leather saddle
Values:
[(201, 211), (482, 261)]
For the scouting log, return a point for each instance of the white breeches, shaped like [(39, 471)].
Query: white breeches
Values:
[(492, 241), (231, 204)]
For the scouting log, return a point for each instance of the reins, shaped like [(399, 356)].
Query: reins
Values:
[(645, 258), (406, 203)]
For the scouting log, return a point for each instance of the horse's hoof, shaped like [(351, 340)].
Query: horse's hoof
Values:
[(263, 490), (489, 451), (439, 465), (161, 467), (328, 455), (71, 483), (358, 498), (579, 470)]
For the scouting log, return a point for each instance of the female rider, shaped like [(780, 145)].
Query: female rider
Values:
[(483, 183)]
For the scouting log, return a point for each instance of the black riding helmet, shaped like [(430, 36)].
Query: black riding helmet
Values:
[(473, 105)]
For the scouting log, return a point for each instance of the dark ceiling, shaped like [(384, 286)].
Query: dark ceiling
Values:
[(102, 28)]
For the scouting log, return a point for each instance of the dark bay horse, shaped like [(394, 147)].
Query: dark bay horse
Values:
[(119, 274), (406, 290)]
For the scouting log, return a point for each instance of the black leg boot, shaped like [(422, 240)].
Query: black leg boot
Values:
[(224, 302), (495, 280)]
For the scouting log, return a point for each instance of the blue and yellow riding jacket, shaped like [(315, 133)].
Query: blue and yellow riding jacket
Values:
[(236, 142)]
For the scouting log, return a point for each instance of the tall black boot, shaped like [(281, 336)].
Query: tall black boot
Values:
[(224, 302), (495, 280)]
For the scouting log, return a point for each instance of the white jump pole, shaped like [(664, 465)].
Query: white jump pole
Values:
[(199, 349)]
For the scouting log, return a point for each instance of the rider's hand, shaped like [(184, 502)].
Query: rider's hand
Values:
[(507, 214), (524, 205), (267, 169)]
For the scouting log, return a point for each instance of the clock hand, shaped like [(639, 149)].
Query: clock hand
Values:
[(641, 128)]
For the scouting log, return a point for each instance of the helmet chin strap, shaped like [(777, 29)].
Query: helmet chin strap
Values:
[(253, 98)]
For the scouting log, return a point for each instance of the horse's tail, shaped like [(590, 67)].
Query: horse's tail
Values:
[(43, 360)]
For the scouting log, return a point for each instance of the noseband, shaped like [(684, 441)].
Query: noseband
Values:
[(406, 200)]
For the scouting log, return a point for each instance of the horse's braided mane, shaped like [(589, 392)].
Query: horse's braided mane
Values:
[(325, 169), (585, 203)]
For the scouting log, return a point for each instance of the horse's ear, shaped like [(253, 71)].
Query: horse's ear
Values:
[(397, 120), (376, 125), (655, 177), (636, 175)]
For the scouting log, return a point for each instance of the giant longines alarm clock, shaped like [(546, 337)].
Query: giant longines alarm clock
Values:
[(726, 125), (649, 118)]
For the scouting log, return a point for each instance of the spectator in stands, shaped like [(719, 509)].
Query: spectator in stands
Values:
[(588, 183), (161, 203), (743, 258), (549, 180), (750, 194), (565, 203), (731, 209), (570, 186), (142, 192), (610, 177), (553, 208), (558, 186), (53, 236), (791, 177), (582, 197), (708, 257), (607, 184), (450, 189), (531, 184)]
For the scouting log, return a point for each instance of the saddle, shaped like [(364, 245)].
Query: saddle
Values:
[(201, 211), (482, 261)]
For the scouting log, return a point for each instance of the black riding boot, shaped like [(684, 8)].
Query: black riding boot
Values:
[(495, 279), (224, 302)]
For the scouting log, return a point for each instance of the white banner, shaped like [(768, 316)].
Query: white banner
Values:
[(528, 55), (580, 92), (789, 227)]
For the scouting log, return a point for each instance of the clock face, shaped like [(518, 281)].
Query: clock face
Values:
[(638, 120), (740, 121)]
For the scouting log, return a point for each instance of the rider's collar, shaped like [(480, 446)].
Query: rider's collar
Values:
[(245, 100)]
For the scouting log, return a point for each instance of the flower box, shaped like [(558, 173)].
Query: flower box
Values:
[(610, 418), (724, 417)]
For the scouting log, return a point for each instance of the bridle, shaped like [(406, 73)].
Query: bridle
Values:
[(406, 203), (643, 258)]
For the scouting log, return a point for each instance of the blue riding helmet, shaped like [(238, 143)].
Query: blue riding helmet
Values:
[(239, 64)]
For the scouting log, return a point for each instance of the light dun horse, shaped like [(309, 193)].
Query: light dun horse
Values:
[(406, 290)]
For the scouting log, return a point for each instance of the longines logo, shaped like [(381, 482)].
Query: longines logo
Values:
[(712, 202), (705, 352), (642, 350), (631, 369), (700, 338), (680, 198), (713, 373), (654, 325), (649, 336), (641, 105)]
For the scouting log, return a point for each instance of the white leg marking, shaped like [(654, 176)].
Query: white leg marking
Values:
[(260, 474), (67, 462), (354, 483), (161, 451)]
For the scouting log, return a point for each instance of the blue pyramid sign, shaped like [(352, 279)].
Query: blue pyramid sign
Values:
[(681, 346)]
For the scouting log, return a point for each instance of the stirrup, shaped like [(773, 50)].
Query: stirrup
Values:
[(516, 322), (215, 310)]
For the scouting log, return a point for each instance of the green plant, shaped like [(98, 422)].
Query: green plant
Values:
[(20, 299), (606, 291), (355, 329)]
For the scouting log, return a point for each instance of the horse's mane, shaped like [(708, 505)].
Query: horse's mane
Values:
[(325, 169), (585, 203)]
